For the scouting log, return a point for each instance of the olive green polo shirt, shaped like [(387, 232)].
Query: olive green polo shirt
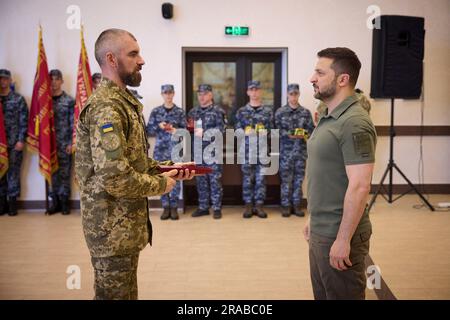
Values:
[(344, 137)]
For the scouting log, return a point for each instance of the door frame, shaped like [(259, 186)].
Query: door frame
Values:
[(272, 189), (284, 64)]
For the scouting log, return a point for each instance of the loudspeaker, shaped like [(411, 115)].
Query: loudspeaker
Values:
[(167, 10), (397, 57)]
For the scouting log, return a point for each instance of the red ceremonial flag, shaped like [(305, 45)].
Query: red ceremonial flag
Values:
[(41, 128), (84, 85), (4, 164)]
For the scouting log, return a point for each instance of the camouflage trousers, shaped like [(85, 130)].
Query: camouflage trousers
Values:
[(171, 199), (253, 183), (292, 173), (10, 183), (116, 277), (61, 178), (209, 187)]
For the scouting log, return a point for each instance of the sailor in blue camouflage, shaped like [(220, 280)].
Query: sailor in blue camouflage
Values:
[(63, 108), (253, 118), (162, 124), (96, 79), (296, 125), (15, 114), (207, 116)]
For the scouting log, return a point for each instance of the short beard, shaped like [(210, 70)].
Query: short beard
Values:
[(327, 92), (132, 79)]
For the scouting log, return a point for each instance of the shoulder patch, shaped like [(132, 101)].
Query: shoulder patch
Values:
[(362, 143), (107, 128), (110, 142)]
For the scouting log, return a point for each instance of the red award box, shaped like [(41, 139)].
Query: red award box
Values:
[(199, 170), (168, 127), (190, 125)]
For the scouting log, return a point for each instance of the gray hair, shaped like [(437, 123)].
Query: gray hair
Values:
[(106, 41)]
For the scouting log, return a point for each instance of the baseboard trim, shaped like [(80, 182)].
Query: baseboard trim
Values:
[(156, 203), (40, 204), (414, 130), (423, 188), (75, 204)]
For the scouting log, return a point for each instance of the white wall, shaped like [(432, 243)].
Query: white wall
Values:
[(304, 27)]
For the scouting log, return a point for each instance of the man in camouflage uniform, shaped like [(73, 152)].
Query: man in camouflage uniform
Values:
[(15, 114), (163, 123), (63, 107), (136, 94), (114, 171), (253, 118), (296, 125), (207, 116), (96, 79)]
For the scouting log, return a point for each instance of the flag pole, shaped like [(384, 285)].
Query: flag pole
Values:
[(41, 135), (46, 197)]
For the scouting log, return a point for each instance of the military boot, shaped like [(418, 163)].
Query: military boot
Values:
[(285, 212), (166, 214), (298, 212), (12, 206), (65, 207), (3, 205), (258, 210), (55, 205), (217, 214), (248, 213), (200, 212), (174, 214)]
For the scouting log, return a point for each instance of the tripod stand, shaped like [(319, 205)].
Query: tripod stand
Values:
[(390, 169)]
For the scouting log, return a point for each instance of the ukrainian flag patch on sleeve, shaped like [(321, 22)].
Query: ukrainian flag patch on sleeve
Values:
[(107, 128)]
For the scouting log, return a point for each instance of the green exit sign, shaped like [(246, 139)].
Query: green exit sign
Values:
[(236, 31)]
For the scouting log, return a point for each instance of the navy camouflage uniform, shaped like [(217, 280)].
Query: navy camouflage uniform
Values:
[(209, 186), (63, 108), (164, 144), (292, 152), (254, 181), (15, 113)]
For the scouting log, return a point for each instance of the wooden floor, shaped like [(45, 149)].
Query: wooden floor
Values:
[(231, 258)]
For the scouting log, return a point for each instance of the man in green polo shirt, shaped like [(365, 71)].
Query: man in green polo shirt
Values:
[(341, 156)]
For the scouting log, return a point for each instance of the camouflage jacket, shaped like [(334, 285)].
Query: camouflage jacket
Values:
[(115, 173), (287, 120), (212, 117), (208, 118), (63, 107), (260, 118), (15, 115), (253, 120), (164, 143)]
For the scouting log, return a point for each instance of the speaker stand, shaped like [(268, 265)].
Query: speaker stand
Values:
[(390, 169)]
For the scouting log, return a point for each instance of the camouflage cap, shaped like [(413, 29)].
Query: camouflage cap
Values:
[(204, 88), (167, 88), (253, 84), (96, 75), (293, 87), (55, 73), (4, 73)]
